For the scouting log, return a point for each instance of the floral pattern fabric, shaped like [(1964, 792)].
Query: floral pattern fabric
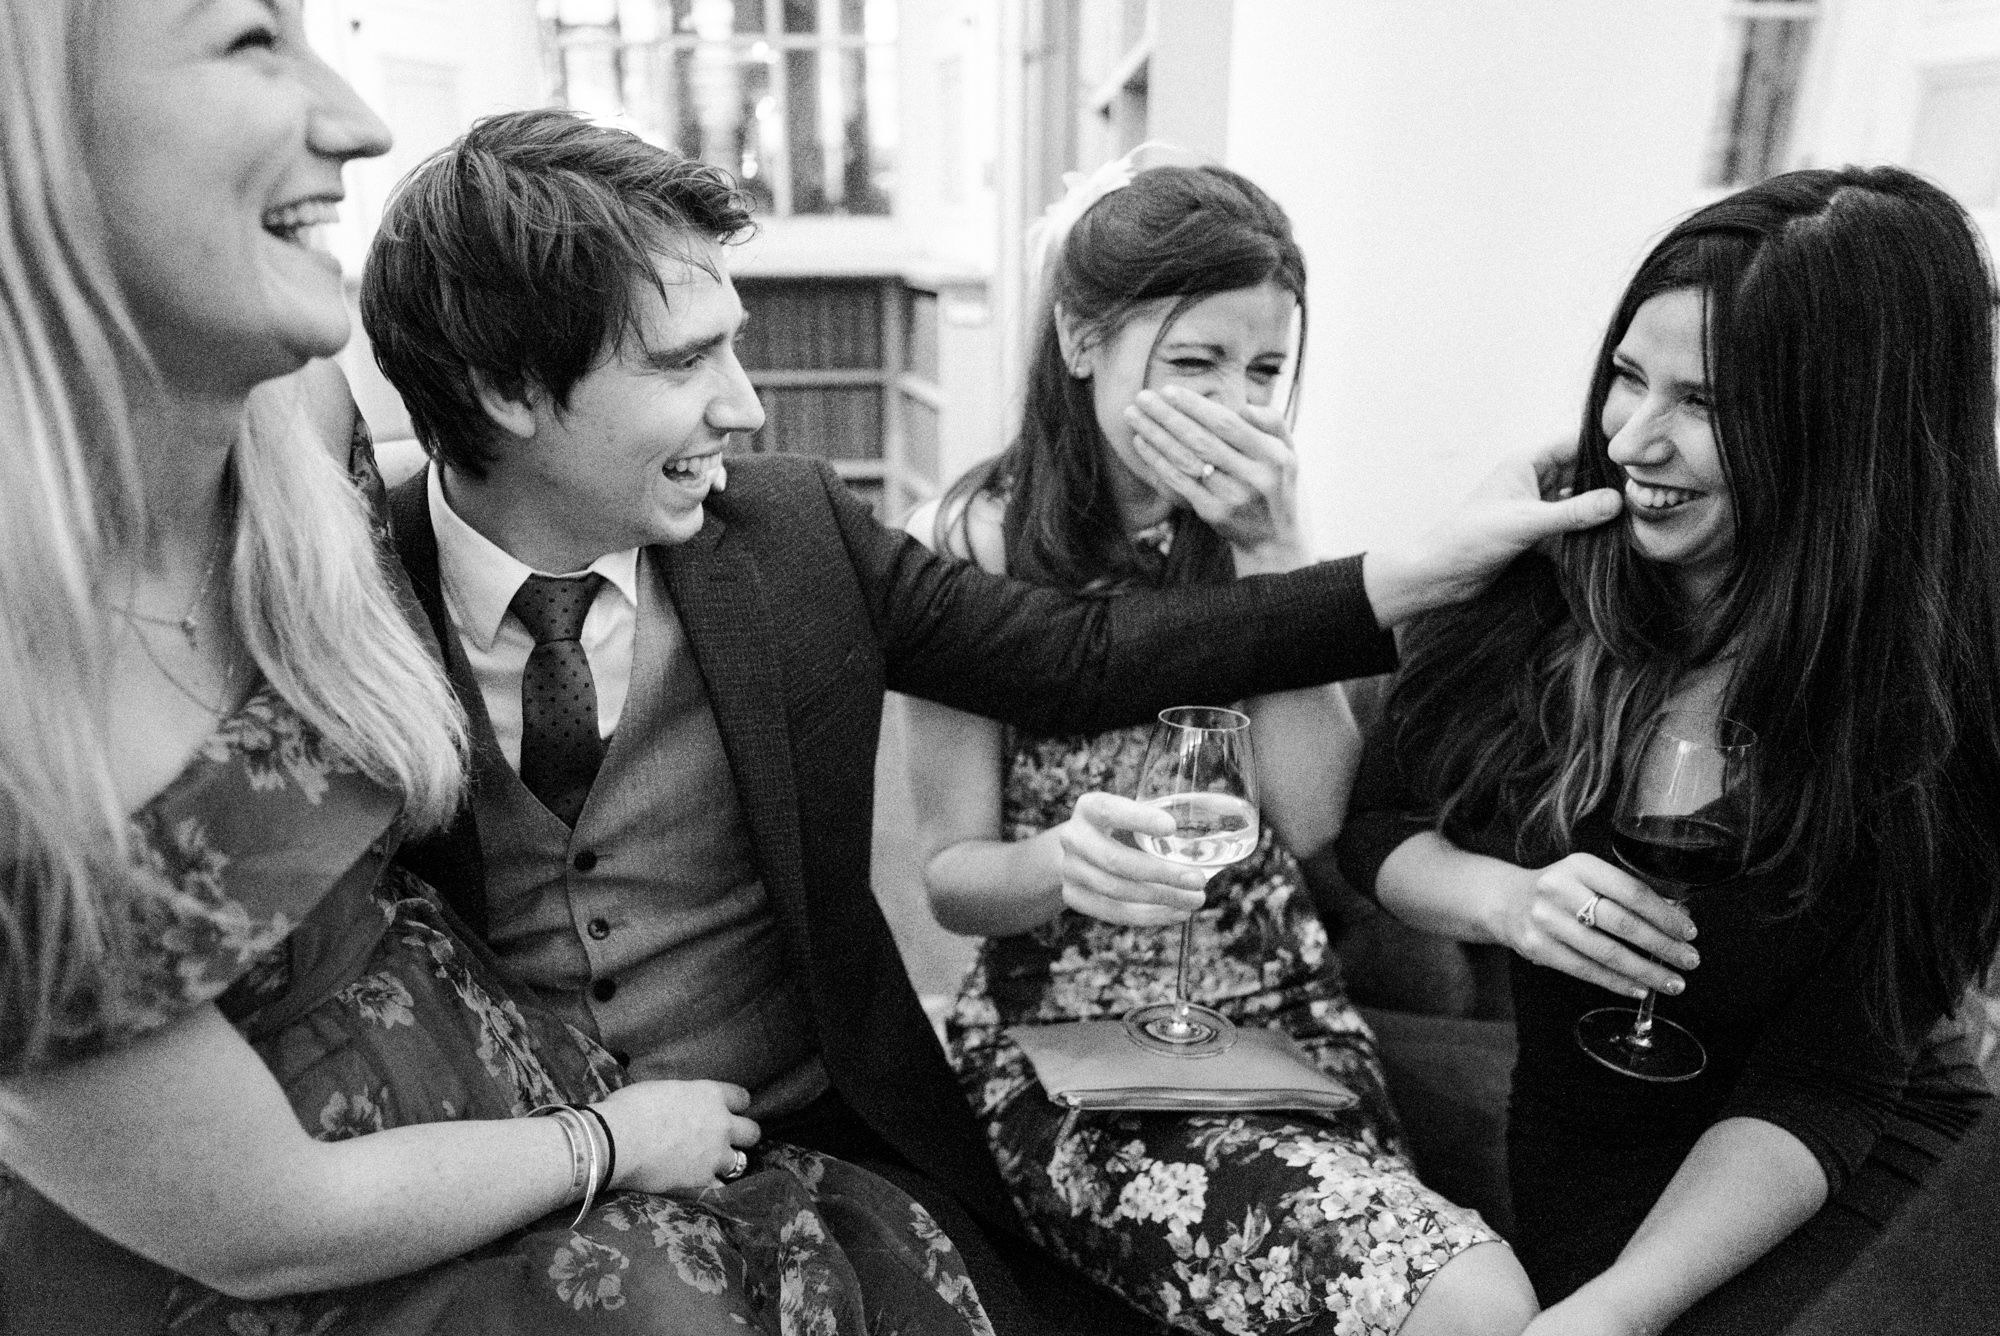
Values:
[(278, 901), (1235, 1223)]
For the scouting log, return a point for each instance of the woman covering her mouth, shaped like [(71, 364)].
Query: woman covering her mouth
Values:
[(1797, 394)]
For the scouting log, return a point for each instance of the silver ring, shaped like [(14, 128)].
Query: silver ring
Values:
[(737, 1168), (1587, 916), (1207, 469)]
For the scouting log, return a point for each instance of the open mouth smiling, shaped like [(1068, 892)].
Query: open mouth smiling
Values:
[(1654, 499), (693, 470), (293, 223)]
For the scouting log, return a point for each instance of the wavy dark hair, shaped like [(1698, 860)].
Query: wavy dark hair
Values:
[(1174, 233), (1850, 352), (512, 253)]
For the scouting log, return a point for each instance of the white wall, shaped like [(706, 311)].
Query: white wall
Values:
[(1472, 182)]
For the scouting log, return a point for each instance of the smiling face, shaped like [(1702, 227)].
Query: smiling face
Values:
[(1659, 418), (214, 139), (1230, 347), (631, 458)]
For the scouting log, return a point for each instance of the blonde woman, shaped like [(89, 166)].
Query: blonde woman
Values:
[(251, 1079)]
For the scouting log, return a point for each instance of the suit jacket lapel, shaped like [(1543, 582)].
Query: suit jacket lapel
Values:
[(450, 859), (720, 599)]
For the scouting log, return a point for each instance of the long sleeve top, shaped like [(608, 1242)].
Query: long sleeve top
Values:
[(1777, 1001)]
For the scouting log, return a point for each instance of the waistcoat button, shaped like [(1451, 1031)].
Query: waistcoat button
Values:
[(604, 989), (598, 928), (585, 860)]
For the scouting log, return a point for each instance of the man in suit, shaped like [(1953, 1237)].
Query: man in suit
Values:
[(674, 666)]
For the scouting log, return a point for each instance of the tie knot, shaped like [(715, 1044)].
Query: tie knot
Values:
[(553, 608)]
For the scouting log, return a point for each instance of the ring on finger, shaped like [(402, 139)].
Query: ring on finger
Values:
[(1587, 915), (736, 1168), (1207, 470)]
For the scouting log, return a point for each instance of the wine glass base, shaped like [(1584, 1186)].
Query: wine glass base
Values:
[(1180, 1029), (1666, 1053)]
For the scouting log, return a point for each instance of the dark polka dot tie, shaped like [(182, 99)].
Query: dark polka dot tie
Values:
[(560, 748)]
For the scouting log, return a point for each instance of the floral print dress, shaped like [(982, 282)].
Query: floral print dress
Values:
[(1236, 1223), (373, 1012)]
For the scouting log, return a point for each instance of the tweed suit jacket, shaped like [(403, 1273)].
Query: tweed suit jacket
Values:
[(801, 609)]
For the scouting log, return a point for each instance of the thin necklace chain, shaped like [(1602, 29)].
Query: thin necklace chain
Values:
[(188, 624), (173, 679)]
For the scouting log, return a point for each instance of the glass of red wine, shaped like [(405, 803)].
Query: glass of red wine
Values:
[(1198, 769), (1684, 821)]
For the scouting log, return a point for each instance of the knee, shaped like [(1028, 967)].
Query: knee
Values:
[(1483, 1290)]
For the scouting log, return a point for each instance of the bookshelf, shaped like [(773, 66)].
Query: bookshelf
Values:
[(828, 357)]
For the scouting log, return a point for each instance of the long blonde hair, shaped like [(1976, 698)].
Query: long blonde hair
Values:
[(308, 597)]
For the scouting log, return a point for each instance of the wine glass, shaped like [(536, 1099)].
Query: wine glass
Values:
[(1684, 821), (1197, 769)]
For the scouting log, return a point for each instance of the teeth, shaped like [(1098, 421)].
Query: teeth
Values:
[(694, 468), (1656, 498), (293, 218)]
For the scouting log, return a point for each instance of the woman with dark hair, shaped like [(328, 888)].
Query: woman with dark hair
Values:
[(1153, 452), (1796, 394)]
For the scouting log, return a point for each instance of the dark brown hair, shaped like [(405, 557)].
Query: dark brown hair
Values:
[(1179, 233), (513, 253)]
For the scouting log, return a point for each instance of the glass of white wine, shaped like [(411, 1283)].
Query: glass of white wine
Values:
[(1198, 769)]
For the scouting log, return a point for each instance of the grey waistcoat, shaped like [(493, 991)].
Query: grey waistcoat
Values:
[(647, 926)]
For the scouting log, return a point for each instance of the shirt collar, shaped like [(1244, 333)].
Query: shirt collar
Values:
[(481, 578)]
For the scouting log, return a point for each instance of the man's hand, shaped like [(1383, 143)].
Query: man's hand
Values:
[(1523, 501)]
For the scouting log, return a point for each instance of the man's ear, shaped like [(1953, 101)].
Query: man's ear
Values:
[(1075, 344), (511, 410)]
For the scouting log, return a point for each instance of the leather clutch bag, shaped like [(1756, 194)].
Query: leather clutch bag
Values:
[(1087, 1065)]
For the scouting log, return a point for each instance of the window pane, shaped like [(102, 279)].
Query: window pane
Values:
[(590, 72), (1757, 120), (712, 18), (839, 128), (722, 111), (920, 439), (802, 121), (920, 334), (801, 16), (572, 13)]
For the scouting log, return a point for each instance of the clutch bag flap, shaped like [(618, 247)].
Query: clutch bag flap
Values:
[(1095, 1065)]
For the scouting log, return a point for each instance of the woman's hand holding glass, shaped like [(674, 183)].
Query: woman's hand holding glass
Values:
[(1234, 468), (1592, 919), (1106, 877)]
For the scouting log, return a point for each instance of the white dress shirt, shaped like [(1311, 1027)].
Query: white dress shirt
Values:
[(480, 581)]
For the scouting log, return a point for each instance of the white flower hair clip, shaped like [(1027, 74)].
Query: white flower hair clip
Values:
[(1047, 233)]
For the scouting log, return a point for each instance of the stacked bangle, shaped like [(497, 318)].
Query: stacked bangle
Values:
[(610, 1144), (592, 1152)]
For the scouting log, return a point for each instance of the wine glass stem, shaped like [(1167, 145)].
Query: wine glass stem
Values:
[(1180, 969), (1642, 1022)]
